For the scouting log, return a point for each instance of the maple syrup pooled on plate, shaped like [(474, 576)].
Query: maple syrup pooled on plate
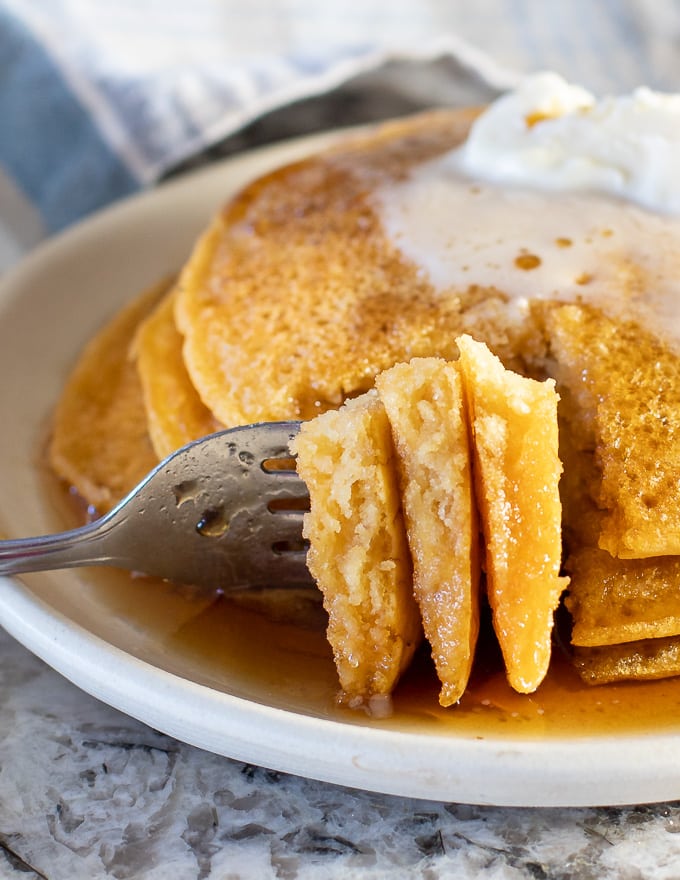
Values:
[(279, 656)]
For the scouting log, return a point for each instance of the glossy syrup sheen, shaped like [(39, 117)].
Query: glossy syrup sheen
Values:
[(272, 650), (278, 655)]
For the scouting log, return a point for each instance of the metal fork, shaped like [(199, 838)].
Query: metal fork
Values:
[(222, 512)]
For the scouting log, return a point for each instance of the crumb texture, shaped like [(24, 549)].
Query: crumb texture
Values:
[(359, 553), (424, 402), (626, 383), (514, 428)]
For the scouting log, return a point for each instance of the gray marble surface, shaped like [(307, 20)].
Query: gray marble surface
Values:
[(86, 792)]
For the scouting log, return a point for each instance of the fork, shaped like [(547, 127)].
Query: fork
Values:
[(223, 512)]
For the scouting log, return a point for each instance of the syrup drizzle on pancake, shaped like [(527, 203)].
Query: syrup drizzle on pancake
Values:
[(587, 247)]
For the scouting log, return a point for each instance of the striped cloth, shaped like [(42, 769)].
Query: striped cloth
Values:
[(98, 100)]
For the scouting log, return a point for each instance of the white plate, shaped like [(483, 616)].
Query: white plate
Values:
[(212, 679)]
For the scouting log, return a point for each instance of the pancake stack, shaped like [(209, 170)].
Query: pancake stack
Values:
[(341, 278)]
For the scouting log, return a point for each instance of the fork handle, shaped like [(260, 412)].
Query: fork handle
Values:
[(83, 546)]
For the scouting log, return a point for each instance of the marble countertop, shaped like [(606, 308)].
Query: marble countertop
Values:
[(86, 792)]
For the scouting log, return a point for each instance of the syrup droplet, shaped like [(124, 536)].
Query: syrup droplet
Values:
[(213, 522), (527, 262)]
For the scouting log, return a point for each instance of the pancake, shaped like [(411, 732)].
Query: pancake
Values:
[(622, 600), (319, 276), (517, 467), (626, 384), (295, 298), (175, 413), (358, 547), (426, 410), (99, 443), (646, 660)]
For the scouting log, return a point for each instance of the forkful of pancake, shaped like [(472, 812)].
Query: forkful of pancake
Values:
[(434, 435), (395, 519)]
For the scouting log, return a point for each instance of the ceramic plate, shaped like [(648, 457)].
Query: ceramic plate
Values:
[(260, 686)]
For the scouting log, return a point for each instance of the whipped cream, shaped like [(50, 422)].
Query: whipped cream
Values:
[(552, 135), (554, 196)]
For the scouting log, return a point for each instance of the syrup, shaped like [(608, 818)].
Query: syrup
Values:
[(271, 648)]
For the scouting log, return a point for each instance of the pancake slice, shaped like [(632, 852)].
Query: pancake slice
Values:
[(100, 445), (626, 385), (424, 403), (358, 548), (622, 600), (517, 471), (646, 660), (175, 413)]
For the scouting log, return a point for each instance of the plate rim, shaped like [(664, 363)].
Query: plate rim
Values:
[(435, 765)]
